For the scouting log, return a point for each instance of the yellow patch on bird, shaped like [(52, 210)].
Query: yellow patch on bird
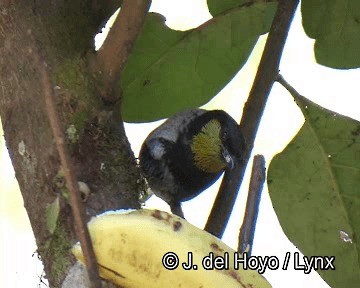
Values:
[(207, 146)]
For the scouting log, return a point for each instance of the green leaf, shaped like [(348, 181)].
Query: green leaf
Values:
[(335, 24), (218, 6), (314, 185), (52, 215), (169, 70)]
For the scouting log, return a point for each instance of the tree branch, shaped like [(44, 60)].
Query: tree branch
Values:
[(112, 56), (253, 110), (69, 174), (247, 230)]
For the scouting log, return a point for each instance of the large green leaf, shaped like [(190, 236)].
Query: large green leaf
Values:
[(335, 24), (171, 70), (218, 6), (314, 185)]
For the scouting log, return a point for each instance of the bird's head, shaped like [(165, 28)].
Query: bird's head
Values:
[(218, 144)]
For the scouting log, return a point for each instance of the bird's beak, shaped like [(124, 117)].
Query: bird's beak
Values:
[(229, 160)]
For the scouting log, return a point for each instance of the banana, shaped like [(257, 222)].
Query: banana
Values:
[(132, 249)]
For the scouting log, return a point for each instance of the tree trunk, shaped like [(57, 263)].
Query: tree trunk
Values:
[(62, 32)]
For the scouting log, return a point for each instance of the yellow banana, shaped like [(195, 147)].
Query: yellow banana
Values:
[(132, 249)]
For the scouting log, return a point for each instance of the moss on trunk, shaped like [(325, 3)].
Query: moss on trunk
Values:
[(63, 31)]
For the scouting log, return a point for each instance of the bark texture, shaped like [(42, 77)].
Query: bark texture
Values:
[(63, 31)]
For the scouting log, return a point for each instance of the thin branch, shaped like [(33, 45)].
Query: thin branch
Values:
[(113, 54), (253, 110), (247, 230), (69, 174)]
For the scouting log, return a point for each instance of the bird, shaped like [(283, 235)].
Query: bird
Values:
[(188, 152)]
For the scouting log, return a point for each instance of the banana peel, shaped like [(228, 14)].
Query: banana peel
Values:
[(132, 249)]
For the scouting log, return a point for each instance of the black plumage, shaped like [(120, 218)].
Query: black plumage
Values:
[(188, 153)]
